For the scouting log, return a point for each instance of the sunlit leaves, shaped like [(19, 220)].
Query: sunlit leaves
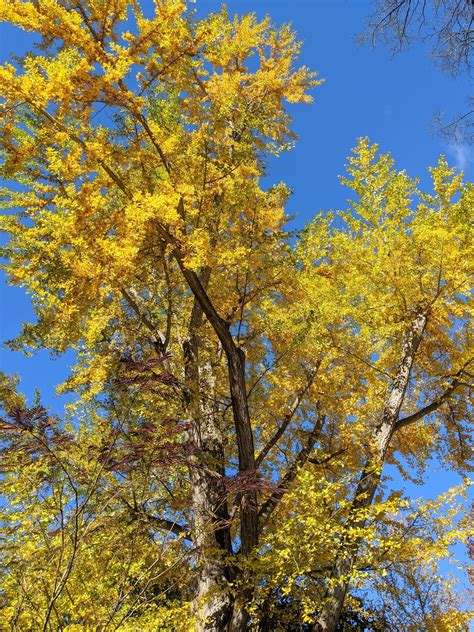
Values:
[(133, 150)]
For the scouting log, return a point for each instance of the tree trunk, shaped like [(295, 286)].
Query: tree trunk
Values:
[(238, 391), (239, 619), (369, 480), (211, 536)]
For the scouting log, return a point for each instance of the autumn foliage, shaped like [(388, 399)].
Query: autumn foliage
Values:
[(237, 390)]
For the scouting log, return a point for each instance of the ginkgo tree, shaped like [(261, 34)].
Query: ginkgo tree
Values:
[(236, 392)]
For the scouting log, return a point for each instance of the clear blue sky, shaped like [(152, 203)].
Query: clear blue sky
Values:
[(367, 92)]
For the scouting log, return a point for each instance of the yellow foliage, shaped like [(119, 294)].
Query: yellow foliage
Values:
[(142, 230)]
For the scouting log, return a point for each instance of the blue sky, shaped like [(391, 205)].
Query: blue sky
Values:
[(367, 92)]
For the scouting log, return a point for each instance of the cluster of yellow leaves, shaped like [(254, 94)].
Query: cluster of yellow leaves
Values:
[(312, 524), (364, 273), (95, 195), (66, 521)]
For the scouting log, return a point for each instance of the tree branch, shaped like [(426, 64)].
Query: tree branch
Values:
[(283, 485), (161, 523), (288, 417), (237, 384), (430, 408), (158, 337), (327, 459)]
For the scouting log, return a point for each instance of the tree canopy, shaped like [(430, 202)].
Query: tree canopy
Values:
[(238, 388)]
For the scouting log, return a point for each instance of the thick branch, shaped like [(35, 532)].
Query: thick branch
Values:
[(370, 478), (238, 390), (430, 408), (395, 400)]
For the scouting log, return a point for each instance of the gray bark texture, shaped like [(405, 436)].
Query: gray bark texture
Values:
[(370, 479), (211, 536)]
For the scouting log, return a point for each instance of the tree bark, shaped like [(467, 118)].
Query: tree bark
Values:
[(238, 391), (369, 480), (237, 386), (203, 306), (211, 534), (239, 618)]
